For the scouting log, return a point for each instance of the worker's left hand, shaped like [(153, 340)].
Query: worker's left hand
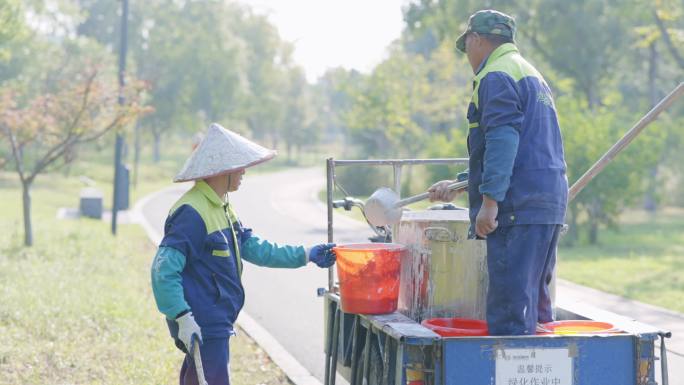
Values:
[(486, 221), (322, 255), (188, 331)]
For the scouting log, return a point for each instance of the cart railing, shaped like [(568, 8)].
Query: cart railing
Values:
[(396, 164)]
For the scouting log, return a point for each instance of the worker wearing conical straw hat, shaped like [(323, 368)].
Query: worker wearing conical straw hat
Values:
[(196, 273)]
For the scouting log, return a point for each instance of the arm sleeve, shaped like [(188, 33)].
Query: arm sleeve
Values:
[(500, 150), (264, 253), (501, 119), (184, 235), (167, 283)]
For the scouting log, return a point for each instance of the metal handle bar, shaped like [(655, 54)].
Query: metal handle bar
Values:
[(420, 197)]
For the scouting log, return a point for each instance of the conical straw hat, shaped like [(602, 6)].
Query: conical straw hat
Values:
[(221, 152)]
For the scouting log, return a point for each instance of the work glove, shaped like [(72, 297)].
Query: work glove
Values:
[(322, 255), (187, 330)]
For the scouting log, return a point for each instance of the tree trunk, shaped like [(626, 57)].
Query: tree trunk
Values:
[(593, 99), (653, 73), (28, 230), (650, 203), (594, 217), (274, 141), (157, 147), (668, 41), (593, 231), (406, 181), (136, 153)]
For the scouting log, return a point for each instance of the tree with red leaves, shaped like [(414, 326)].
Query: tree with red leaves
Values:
[(44, 129)]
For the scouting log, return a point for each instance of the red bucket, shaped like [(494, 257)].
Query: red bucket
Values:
[(456, 327), (369, 277)]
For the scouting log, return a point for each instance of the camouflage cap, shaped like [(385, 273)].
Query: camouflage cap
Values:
[(488, 21)]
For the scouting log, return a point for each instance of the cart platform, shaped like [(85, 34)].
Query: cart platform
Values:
[(394, 349)]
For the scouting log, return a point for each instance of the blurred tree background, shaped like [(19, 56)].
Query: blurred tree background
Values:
[(608, 62)]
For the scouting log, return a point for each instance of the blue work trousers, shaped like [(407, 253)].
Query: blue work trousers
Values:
[(521, 261), (215, 356)]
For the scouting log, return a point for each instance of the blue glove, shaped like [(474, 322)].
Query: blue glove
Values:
[(322, 255)]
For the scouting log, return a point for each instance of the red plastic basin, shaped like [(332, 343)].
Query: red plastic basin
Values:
[(567, 327), (456, 327)]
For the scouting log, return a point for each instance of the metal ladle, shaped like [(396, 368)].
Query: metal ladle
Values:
[(384, 206)]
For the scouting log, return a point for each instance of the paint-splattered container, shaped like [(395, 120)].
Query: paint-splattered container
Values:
[(369, 277)]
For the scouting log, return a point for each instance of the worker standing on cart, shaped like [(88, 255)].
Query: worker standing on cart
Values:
[(196, 273), (517, 184)]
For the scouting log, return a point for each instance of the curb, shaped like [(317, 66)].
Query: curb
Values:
[(297, 373), (294, 371)]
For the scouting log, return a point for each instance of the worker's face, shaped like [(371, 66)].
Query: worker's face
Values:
[(234, 180), (474, 47)]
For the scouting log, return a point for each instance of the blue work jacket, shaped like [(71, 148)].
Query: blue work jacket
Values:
[(198, 265), (509, 91)]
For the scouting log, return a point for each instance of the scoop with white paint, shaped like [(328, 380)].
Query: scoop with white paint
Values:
[(384, 206)]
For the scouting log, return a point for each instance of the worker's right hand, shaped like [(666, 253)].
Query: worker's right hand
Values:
[(440, 191), (187, 329), (322, 255)]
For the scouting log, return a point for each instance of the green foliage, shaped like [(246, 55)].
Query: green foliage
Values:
[(602, 32), (331, 99), (300, 125), (404, 100), (446, 146), (58, 92), (429, 23), (606, 62), (210, 61), (218, 61), (587, 135), (11, 25), (380, 120), (363, 181), (408, 108)]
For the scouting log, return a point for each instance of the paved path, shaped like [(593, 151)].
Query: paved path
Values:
[(568, 293), (284, 207)]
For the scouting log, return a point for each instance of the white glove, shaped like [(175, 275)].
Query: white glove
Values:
[(187, 328)]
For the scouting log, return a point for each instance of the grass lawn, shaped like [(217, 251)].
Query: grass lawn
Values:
[(77, 307), (642, 260)]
